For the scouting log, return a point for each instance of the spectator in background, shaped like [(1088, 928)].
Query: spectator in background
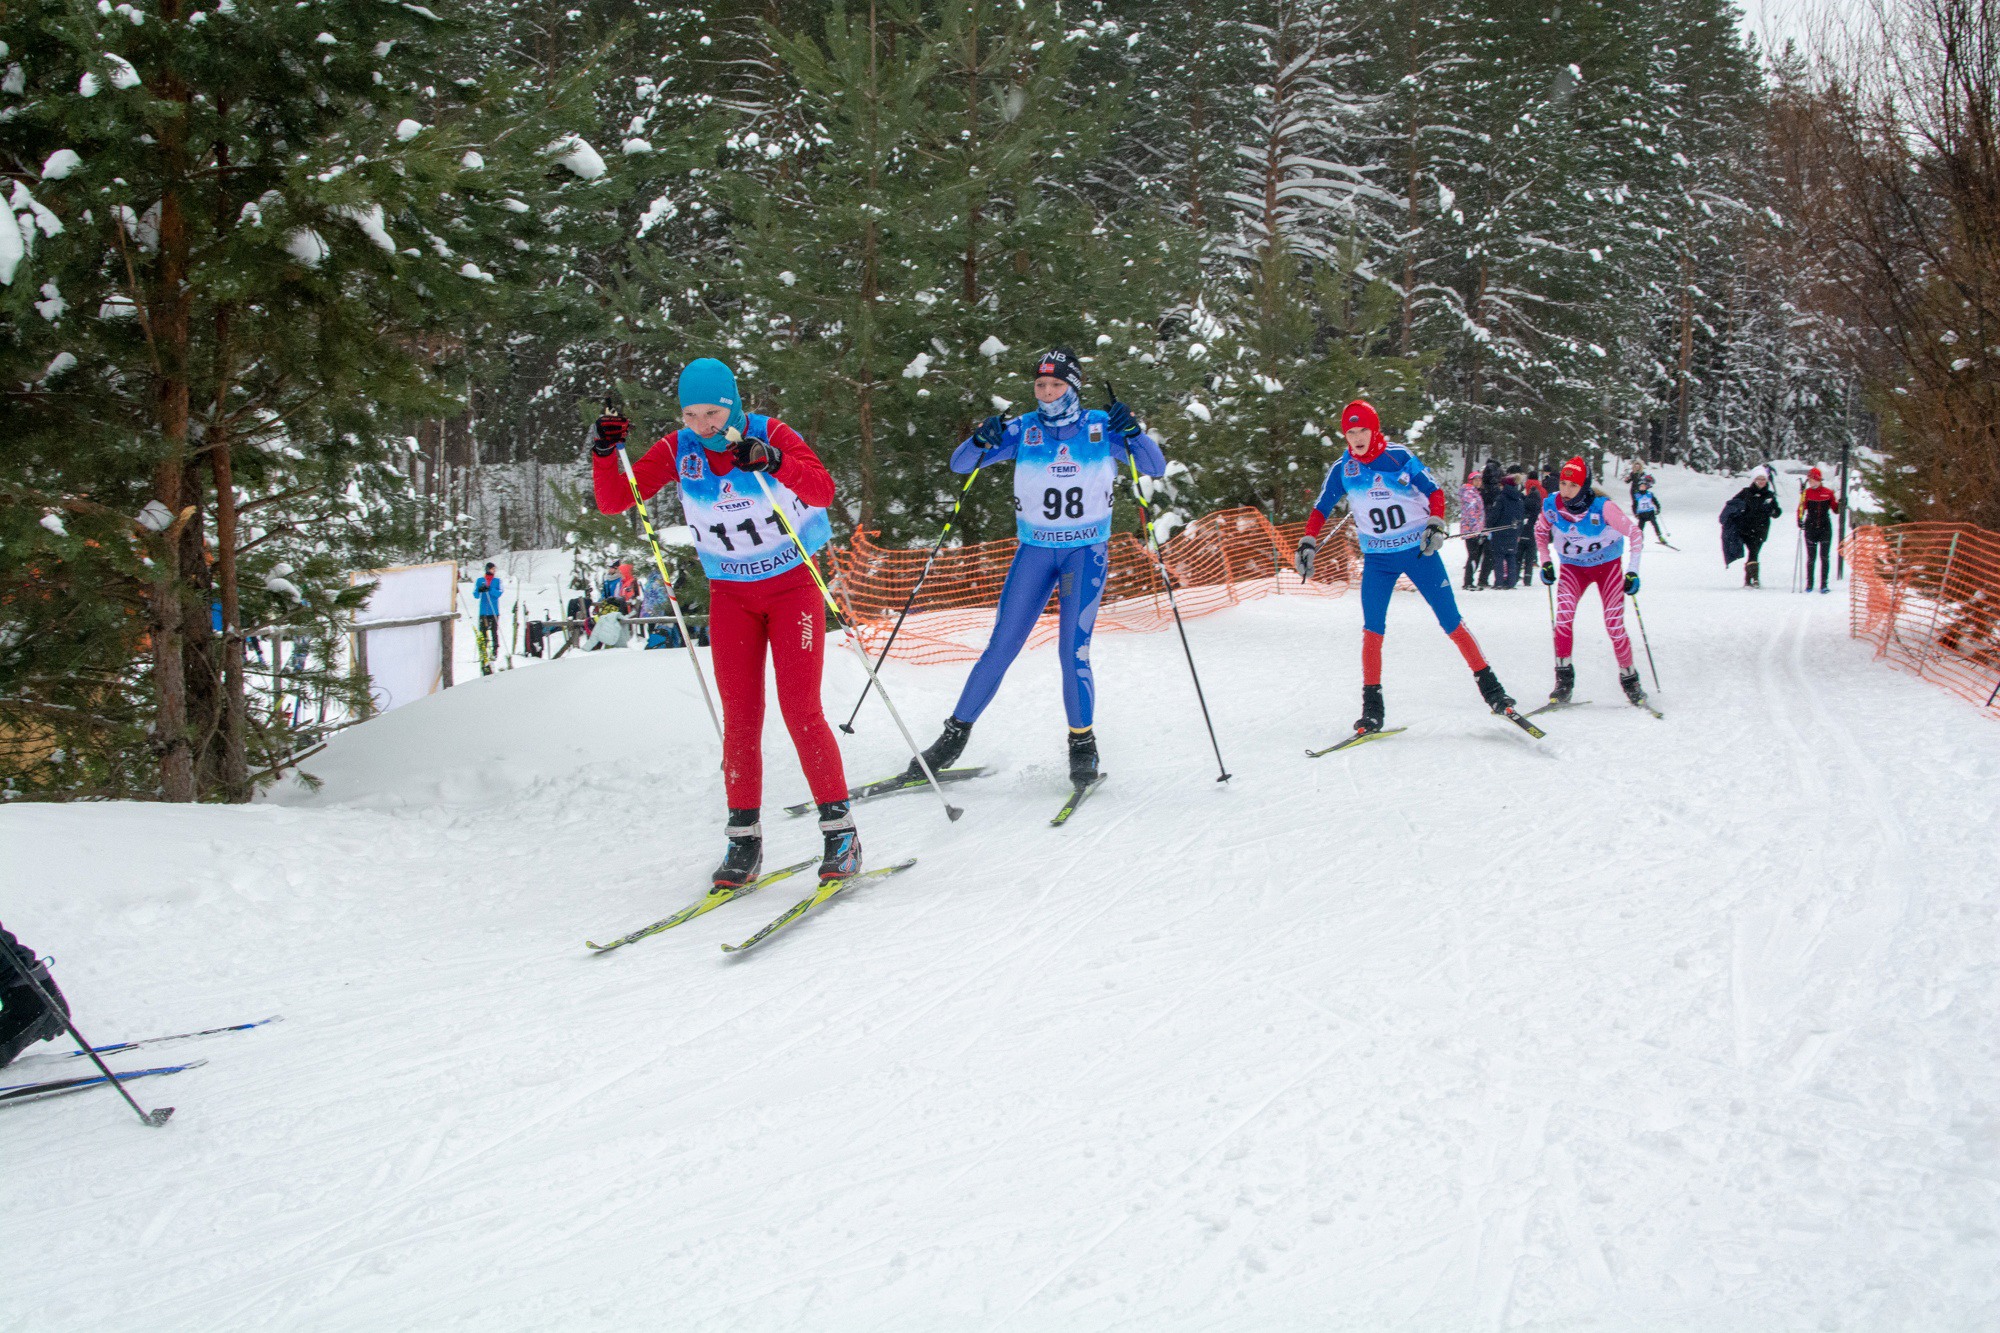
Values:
[(1756, 505), (1817, 506), (1472, 522), (1503, 531), (486, 592), (1532, 496), (628, 586)]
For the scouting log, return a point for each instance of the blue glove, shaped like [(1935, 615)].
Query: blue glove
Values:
[(1121, 419), (992, 433), (1548, 571), (1631, 583)]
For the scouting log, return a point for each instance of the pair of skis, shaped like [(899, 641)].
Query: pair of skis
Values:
[(1363, 737), (1554, 705), (716, 897), (14, 1094)]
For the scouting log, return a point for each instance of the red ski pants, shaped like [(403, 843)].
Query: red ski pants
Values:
[(1610, 580), (786, 615)]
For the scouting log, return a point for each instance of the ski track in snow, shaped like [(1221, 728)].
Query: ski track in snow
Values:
[(1653, 1025)]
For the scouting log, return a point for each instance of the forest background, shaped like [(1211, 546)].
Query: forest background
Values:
[(285, 280)]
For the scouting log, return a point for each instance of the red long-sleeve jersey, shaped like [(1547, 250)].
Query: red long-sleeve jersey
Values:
[(799, 469)]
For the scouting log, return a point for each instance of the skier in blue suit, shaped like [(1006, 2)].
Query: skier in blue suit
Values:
[(1066, 464)]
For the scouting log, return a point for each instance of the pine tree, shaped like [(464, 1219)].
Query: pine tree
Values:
[(267, 229)]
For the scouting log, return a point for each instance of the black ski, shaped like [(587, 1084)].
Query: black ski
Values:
[(1524, 724), (1358, 738), (56, 1087), (1554, 704), (826, 890), (1082, 790), (868, 791)]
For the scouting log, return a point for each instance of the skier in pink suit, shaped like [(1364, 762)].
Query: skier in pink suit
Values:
[(1590, 533)]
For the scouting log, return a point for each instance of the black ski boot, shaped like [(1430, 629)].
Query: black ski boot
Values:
[(745, 858), (1371, 710), (24, 1019), (944, 751), (1565, 682), (842, 856), (1082, 757), (1629, 678), (1496, 698)]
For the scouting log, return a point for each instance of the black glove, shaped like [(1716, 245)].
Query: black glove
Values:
[(1548, 571), (1302, 559), (1631, 583), (992, 433), (1121, 419), (756, 455), (609, 434)]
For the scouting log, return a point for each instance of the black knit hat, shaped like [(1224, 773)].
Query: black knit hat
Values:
[(1063, 365)]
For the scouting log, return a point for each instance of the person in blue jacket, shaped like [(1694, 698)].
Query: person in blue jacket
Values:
[(486, 591), (1067, 460), (1399, 518)]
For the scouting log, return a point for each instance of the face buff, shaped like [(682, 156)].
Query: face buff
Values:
[(1064, 411)]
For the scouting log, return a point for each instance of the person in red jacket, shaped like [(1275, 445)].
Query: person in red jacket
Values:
[(1817, 506), (761, 595)]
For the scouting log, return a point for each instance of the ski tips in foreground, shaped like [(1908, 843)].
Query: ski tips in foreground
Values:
[(825, 891), (709, 901), (1357, 738), (117, 1046), (56, 1087), (868, 791), (1518, 720), (1076, 797)]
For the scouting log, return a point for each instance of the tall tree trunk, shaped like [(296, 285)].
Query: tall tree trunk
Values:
[(167, 320), (870, 289), (1413, 224), (1686, 359), (198, 646), (234, 758), (969, 291), (1197, 130)]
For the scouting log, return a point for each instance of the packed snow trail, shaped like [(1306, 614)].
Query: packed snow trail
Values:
[(1681, 1024)]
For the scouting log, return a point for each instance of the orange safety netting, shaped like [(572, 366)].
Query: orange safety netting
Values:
[(1927, 595), (1217, 560)]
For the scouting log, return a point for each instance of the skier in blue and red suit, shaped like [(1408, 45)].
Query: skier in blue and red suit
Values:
[(1399, 517), (1066, 465)]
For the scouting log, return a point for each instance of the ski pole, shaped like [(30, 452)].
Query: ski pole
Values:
[(660, 563), (911, 600), (1641, 616), (1167, 582), (854, 640), (154, 1118)]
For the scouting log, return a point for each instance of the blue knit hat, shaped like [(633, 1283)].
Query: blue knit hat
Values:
[(707, 380)]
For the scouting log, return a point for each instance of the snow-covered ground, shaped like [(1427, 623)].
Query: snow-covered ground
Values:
[(1657, 1025)]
